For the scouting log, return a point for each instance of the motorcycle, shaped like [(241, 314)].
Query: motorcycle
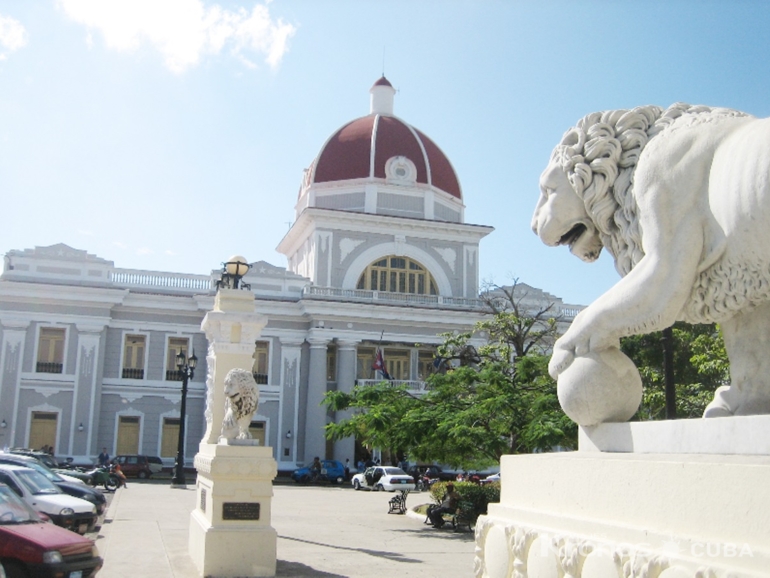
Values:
[(102, 475), (424, 483)]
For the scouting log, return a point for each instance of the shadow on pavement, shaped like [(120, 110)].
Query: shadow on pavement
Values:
[(298, 570), (395, 556)]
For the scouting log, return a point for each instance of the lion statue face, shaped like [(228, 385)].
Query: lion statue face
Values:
[(561, 218), (242, 396)]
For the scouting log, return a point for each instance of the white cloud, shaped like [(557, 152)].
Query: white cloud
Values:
[(144, 251), (120, 245), (12, 35), (184, 30)]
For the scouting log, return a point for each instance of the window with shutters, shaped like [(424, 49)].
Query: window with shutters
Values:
[(134, 349), (50, 350)]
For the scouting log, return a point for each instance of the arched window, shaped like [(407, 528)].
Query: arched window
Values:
[(397, 275)]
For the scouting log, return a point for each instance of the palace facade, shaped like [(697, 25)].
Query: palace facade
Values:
[(379, 255)]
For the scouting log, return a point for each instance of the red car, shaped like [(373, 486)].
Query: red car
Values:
[(30, 546)]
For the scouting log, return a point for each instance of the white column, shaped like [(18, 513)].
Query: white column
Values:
[(232, 329), (11, 358), (346, 379), (229, 531), (315, 418)]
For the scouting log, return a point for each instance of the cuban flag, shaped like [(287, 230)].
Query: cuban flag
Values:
[(379, 365)]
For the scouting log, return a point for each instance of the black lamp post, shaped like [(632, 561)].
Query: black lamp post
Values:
[(187, 368)]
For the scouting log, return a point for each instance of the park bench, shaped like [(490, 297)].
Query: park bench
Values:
[(460, 519), (397, 504)]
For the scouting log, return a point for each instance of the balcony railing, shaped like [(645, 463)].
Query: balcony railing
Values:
[(413, 385), (260, 378), (363, 295), (174, 375), (49, 367), (161, 281), (130, 373)]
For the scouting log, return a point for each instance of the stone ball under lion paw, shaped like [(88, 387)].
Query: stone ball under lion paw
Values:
[(602, 386)]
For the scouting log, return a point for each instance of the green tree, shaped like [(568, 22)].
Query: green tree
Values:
[(491, 395), (700, 366)]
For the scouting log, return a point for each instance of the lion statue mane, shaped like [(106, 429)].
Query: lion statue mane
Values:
[(680, 197), (242, 400)]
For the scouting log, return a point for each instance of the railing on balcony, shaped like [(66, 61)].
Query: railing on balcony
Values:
[(174, 375), (260, 378), (313, 291), (160, 281), (413, 385), (131, 373), (49, 367)]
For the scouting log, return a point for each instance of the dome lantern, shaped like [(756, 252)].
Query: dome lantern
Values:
[(382, 97)]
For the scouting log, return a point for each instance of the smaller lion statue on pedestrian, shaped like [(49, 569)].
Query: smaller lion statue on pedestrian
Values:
[(242, 396)]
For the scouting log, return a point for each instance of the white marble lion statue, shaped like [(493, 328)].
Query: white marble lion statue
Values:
[(681, 199), (242, 400)]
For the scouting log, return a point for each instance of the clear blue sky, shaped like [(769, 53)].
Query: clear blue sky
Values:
[(171, 134)]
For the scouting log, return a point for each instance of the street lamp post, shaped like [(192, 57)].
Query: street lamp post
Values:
[(187, 368)]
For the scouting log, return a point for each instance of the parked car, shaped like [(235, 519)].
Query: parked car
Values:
[(39, 493), (139, 466), (46, 459), (380, 478), (331, 471), (30, 546), (491, 478), (73, 489), (431, 471)]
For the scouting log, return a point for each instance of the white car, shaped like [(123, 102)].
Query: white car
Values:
[(42, 496), (491, 478), (380, 478)]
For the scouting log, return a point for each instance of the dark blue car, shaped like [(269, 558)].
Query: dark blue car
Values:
[(332, 471)]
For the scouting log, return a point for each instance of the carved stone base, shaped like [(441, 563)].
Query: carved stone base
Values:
[(230, 531), (601, 515)]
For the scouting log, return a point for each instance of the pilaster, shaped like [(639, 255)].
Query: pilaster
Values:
[(11, 358), (346, 379), (315, 420), (291, 357), (84, 395)]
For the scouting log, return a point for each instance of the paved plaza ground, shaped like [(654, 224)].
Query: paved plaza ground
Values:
[(327, 531)]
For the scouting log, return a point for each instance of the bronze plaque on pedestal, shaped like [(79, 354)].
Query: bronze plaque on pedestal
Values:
[(240, 511)]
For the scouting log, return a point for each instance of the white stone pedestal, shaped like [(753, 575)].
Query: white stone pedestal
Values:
[(594, 514), (230, 531)]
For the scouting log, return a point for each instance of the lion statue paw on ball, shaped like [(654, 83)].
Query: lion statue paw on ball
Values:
[(242, 399), (681, 199)]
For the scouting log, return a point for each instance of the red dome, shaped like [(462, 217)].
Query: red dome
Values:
[(348, 153)]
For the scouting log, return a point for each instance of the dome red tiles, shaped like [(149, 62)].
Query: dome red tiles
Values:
[(348, 153)]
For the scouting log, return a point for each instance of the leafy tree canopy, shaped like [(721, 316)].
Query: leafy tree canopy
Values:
[(491, 395), (700, 366)]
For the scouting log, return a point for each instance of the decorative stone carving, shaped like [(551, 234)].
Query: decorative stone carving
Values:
[(693, 244), (449, 255), (347, 246), (535, 553), (242, 400)]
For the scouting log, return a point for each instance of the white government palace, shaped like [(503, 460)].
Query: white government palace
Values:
[(379, 247)]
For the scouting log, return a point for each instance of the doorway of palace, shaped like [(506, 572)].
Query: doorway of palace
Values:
[(128, 435), (257, 431), (169, 440), (42, 429)]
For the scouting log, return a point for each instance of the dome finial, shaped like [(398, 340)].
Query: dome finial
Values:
[(382, 93)]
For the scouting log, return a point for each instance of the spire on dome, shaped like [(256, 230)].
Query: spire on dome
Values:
[(382, 93)]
